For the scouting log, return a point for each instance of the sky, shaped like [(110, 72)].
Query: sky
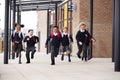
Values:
[(29, 18), (2, 13)]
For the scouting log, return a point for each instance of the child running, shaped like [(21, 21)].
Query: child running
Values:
[(55, 39), (66, 40)]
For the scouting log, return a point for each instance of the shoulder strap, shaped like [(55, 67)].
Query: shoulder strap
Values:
[(52, 35)]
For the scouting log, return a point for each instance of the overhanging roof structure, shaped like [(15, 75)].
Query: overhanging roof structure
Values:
[(33, 5)]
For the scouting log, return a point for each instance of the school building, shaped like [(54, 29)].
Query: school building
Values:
[(70, 13)]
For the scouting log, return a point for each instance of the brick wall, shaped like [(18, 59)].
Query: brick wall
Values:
[(102, 24)]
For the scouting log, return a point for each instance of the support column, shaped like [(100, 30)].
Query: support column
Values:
[(113, 33), (91, 27), (56, 14), (48, 18), (14, 15), (117, 35), (13, 25), (6, 31), (18, 15), (9, 30)]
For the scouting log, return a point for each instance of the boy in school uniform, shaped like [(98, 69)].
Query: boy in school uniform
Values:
[(83, 39), (31, 40), (66, 41), (55, 40)]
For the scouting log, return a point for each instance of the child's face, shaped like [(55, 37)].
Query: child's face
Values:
[(55, 30), (65, 30), (31, 33), (18, 28), (83, 27)]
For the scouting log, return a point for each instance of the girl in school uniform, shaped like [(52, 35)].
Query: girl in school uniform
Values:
[(66, 41)]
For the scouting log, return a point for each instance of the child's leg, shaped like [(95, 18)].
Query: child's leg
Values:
[(56, 51), (85, 52), (62, 58), (19, 48), (64, 50), (33, 52), (52, 55), (52, 59), (79, 51), (13, 51), (68, 52), (28, 55), (69, 59), (17, 54), (20, 58)]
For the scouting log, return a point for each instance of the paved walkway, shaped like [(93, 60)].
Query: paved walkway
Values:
[(40, 69)]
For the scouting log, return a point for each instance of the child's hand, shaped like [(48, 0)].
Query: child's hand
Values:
[(13, 43), (93, 40), (80, 43), (16, 42)]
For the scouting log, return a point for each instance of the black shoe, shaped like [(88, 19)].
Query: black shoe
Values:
[(32, 56), (52, 63), (55, 55), (62, 58), (78, 56), (16, 55), (85, 59), (82, 58), (27, 62), (89, 58), (20, 62), (69, 60)]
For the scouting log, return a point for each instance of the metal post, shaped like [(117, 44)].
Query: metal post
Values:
[(14, 15), (6, 31), (18, 15), (117, 35), (56, 14), (113, 33), (13, 25), (48, 28), (91, 28), (9, 41)]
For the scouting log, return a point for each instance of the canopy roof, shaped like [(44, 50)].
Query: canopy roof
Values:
[(27, 5)]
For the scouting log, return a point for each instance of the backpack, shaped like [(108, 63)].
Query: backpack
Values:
[(58, 35)]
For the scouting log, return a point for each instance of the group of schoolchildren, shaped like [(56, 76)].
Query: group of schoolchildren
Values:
[(56, 39), (18, 38)]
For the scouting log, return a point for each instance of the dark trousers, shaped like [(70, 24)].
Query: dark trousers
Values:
[(28, 50), (54, 53), (83, 48), (79, 49)]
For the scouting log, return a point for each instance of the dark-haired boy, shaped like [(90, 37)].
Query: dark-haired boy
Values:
[(55, 38), (31, 41)]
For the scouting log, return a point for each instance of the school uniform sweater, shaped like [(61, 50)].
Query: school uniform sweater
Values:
[(31, 41), (55, 40), (17, 36), (66, 39), (83, 37)]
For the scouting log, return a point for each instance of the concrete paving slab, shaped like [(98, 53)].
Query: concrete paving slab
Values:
[(40, 69)]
